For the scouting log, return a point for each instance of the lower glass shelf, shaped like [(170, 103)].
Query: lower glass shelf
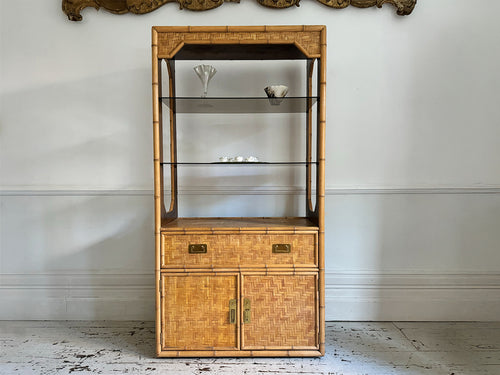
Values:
[(240, 105), (244, 163)]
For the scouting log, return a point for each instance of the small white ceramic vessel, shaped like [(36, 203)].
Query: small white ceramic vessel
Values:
[(224, 159), (276, 91), (252, 159), (238, 158)]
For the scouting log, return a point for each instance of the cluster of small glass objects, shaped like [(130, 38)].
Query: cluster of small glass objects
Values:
[(238, 159)]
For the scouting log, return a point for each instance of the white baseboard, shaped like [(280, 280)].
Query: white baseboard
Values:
[(77, 297), (412, 297), (349, 296)]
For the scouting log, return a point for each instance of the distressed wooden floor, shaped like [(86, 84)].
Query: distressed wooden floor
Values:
[(104, 347)]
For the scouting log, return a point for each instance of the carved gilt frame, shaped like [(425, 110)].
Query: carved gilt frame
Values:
[(72, 8)]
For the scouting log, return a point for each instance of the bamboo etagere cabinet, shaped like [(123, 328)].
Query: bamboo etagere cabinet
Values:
[(239, 286)]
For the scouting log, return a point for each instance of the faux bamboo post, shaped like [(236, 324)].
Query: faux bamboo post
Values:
[(157, 179), (320, 186)]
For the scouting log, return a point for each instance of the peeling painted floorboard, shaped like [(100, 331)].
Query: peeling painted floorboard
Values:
[(357, 348)]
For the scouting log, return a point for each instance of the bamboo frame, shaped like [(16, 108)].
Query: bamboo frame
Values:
[(158, 187), (310, 42), (240, 353), (320, 184)]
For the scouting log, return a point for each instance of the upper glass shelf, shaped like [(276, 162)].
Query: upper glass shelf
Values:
[(240, 105)]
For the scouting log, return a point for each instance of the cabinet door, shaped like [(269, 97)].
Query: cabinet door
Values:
[(279, 311), (195, 311)]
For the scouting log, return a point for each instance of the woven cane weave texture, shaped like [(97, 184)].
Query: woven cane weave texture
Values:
[(238, 250), (170, 42), (195, 312), (283, 312)]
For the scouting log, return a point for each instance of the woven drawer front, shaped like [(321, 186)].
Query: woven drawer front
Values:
[(235, 250)]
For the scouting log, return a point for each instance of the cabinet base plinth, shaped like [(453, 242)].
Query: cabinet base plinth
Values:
[(240, 353)]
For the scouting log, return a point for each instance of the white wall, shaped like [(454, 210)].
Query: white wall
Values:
[(413, 159)]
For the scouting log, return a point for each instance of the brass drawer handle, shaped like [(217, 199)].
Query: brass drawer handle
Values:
[(197, 248), (232, 311), (281, 248)]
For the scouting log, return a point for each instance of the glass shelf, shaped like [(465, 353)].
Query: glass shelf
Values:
[(245, 163), (241, 105)]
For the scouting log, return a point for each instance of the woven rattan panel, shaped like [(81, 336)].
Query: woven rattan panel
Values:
[(237, 250), (283, 312), (308, 40), (195, 312)]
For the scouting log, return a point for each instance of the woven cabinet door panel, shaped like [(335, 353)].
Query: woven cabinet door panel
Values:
[(283, 312), (195, 312)]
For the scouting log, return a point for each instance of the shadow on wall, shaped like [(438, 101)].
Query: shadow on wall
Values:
[(92, 133), (74, 257), (70, 152), (104, 234)]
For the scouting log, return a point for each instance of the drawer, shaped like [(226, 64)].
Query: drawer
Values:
[(239, 250)]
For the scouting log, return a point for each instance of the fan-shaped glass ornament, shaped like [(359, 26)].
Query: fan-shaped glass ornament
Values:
[(205, 72)]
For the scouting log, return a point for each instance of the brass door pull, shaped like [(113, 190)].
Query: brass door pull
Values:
[(232, 311), (246, 310)]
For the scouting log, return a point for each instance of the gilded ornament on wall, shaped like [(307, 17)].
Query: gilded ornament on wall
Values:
[(72, 8)]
